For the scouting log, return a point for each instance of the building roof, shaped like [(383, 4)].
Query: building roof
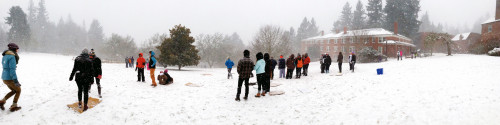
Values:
[(490, 21), (464, 35), (367, 32), (399, 43)]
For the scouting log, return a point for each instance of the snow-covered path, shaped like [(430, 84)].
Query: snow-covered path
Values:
[(461, 89)]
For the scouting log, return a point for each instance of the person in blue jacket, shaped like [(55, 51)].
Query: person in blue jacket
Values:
[(9, 76), (152, 67), (229, 65), (260, 71)]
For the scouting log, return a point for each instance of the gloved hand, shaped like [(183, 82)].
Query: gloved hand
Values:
[(71, 78), (99, 77), (17, 83)]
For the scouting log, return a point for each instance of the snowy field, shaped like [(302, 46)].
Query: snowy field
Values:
[(461, 89)]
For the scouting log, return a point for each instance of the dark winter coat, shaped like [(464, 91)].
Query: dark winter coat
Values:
[(290, 63), (328, 60), (82, 69), (282, 63), (268, 67), (96, 63), (340, 58), (273, 64), (245, 67), (353, 58)]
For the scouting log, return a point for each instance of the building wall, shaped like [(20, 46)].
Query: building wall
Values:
[(494, 34), (462, 46)]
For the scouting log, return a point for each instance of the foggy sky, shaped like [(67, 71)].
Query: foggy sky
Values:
[(143, 18)]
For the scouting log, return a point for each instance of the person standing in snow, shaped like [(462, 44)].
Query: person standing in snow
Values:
[(96, 63), (282, 66), (352, 61), (299, 63), (132, 62), (307, 60), (229, 65), (84, 75), (164, 78), (139, 67), (126, 62), (273, 66), (401, 55), (290, 66), (322, 62), (397, 54), (340, 59), (244, 69), (328, 62), (152, 67), (10, 60), (268, 70), (260, 71)]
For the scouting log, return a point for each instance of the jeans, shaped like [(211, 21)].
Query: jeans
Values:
[(282, 73), (240, 82), (298, 73), (140, 75), (261, 80)]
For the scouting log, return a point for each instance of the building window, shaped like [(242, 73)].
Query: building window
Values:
[(373, 39), (327, 41), (343, 49), (380, 39), (352, 49), (321, 48), (366, 40), (352, 39), (343, 40), (335, 41), (328, 48), (380, 49), (335, 48), (490, 28)]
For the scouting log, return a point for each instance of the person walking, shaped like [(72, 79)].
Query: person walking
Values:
[(10, 60), (260, 71), (229, 65), (244, 68), (84, 72), (282, 66), (307, 60), (152, 67), (96, 65), (352, 61), (340, 59), (139, 67)]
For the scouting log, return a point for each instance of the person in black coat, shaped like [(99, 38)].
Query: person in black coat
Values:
[(273, 66), (268, 69), (84, 72), (96, 63), (340, 59), (328, 62), (282, 66), (352, 61)]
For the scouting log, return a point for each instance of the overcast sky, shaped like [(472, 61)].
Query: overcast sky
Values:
[(143, 18)]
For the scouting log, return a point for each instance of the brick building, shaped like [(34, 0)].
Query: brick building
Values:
[(463, 41), (379, 39), (491, 28)]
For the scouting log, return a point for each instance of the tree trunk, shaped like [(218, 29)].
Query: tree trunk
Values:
[(179, 67), (449, 49)]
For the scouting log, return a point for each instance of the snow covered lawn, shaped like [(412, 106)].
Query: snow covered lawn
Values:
[(459, 89)]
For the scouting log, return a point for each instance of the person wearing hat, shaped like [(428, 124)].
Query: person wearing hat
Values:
[(164, 78), (139, 67), (299, 63), (96, 63), (282, 66), (152, 67), (84, 72), (10, 60)]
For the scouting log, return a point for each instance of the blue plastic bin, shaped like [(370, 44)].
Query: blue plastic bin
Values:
[(380, 71)]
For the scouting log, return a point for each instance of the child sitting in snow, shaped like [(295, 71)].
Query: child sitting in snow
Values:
[(165, 78)]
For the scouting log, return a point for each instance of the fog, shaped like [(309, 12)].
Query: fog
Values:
[(141, 19)]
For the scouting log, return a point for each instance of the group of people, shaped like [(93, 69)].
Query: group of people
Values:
[(151, 65), (294, 63), (129, 62), (86, 68)]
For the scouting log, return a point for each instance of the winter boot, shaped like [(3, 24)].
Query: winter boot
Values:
[(245, 98), (79, 104), (99, 91), (14, 107), (85, 107), (2, 103), (237, 99), (263, 94), (258, 95)]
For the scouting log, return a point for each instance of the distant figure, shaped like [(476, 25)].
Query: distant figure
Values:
[(322, 62), (299, 62), (397, 54), (307, 60), (140, 64), (132, 62), (352, 61), (84, 72), (164, 78), (282, 66), (152, 67), (9, 76), (401, 54), (126, 62), (244, 69), (273, 66), (290, 66), (340, 59), (229, 65), (328, 62)]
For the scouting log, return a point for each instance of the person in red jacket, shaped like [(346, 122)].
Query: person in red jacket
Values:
[(307, 60), (141, 62)]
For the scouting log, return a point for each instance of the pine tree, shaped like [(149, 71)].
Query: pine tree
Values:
[(359, 19), (312, 29), (375, 13), (20, 32), (346, 17), (32, 10), (95, 34), (42, 16), (405, 13), (178, 49)]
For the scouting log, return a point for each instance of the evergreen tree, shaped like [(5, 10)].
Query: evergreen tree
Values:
[(179, 49), (346, 16), (359, 19), (19, 32), (375, 13), (405, 13), (95, 34), (32, 10), (119, 47), (302, 33), (312, 29)]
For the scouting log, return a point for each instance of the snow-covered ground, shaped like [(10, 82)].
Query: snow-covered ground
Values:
[(459, 89)]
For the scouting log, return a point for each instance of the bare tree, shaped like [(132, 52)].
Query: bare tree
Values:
[(210, 47), (273, 40)]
